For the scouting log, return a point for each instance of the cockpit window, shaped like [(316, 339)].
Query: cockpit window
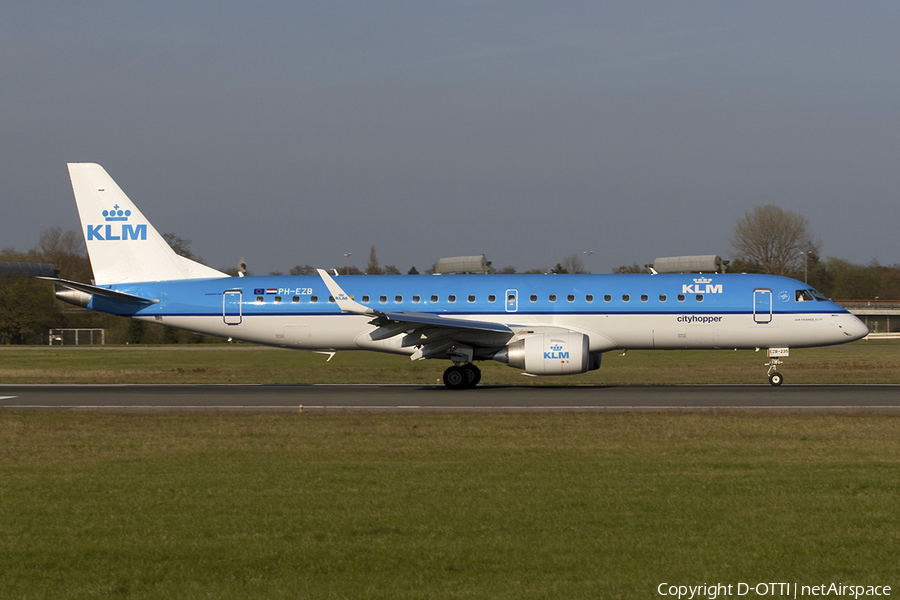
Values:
[(819, 296), (803, 296)]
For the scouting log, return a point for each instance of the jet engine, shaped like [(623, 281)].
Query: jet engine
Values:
[(557, 353)]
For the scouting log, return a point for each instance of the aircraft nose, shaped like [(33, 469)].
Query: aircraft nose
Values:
[(852, 327)]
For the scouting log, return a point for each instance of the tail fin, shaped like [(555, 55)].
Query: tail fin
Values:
[(122, 245)]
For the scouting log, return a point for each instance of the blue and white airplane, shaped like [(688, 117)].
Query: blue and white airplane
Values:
[(540, 324)]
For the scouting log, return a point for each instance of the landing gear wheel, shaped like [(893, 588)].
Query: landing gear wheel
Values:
[(775, 378), (462, 377), (455, 378), (473, 375)]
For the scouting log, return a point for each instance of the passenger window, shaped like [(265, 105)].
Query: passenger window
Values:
[(626, 298), (644, 297), (492, 298), (662, 297), (434, 298), (277, 298), (398, 298), (681, 297), (382, 299), (416, 298), (451, 298), (295, 299), (259, 299), (607, 298), (365, 298), (699, 297), (533, 298), (571, 298), (313, 299), (331, 299), (589, 298), (471, 297), (552, 297)]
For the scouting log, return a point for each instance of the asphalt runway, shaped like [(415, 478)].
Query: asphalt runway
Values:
[(415, 398)]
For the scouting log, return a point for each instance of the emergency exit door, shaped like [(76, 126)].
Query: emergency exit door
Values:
[(512, 300)]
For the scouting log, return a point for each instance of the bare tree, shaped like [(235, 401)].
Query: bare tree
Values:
[(632, 268), (65, 250), (572, 264), (372, 267), (772, 239), (181, 246), (303, 270)]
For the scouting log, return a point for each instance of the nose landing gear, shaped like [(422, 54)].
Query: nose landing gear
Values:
[(776, 378)]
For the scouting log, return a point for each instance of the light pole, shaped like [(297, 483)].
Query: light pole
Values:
[(587, 258), (347, 256), (805, 265)]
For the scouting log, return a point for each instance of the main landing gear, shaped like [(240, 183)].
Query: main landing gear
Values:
[(460, 377)]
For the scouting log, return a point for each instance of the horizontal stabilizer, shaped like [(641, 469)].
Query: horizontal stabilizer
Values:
[(99, 291)]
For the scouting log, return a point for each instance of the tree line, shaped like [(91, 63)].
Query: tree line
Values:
[(766, 239)]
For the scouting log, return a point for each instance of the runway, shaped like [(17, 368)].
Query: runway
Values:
[(416, 398)]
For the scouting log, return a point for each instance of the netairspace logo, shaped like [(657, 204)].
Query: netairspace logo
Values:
[(771, 590), (112, 231)]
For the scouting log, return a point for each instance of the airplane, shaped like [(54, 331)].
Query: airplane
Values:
[(540, 324)]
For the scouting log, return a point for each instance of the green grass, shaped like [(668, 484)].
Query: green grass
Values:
[(441, 506), (860, 362)]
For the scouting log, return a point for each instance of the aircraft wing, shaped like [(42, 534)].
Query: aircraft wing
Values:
[(392, 323), (438, 321)]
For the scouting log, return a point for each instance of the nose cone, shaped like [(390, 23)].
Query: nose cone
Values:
[(853, 328)]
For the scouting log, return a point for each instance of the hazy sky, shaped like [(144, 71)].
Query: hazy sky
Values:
[(294, 132)]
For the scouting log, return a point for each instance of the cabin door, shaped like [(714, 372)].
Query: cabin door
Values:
[(231, 307), (762, 306)]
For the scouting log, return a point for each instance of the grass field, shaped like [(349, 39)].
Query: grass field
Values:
[(860, 362), (441, 506)]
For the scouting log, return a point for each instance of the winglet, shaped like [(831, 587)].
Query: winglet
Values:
[(344, 302)]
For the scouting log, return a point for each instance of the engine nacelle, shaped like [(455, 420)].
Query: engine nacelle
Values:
[(562, 353)]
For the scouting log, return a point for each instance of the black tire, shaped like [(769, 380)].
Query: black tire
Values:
[(455, 378), (473, 375), (776, 378)]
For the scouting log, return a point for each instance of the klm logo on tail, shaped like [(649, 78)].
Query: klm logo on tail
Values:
[(116, 227)]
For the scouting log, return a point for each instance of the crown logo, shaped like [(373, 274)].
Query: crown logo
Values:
[(556, 347), (703, 280), (116, 214)]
